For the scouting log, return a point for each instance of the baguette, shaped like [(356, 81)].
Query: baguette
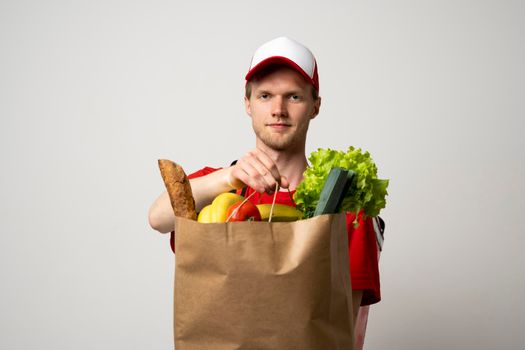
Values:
[(179, 189)]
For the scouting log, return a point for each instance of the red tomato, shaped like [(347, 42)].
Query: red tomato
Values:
[(247, 212)]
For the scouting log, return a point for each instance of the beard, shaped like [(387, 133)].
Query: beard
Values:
[(281, 141)]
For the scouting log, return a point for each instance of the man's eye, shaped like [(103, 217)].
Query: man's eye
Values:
[(295, 97), (264, 96)]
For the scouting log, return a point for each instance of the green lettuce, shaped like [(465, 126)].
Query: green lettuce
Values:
[(367, 191)]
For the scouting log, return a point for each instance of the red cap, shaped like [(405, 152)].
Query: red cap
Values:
[(287, 52)]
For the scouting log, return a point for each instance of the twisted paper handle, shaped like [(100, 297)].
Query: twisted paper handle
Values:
[(273, 202), (237, 209), (271, 209)]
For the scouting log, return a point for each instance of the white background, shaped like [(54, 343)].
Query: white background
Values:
[(92, 93)]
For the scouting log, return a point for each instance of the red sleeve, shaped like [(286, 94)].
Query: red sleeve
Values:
[(362, 249), (204, 171)]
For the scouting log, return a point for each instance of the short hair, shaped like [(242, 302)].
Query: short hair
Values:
[(266, 71)]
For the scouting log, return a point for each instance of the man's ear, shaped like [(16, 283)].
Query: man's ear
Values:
[(317, 107), (247, 106)]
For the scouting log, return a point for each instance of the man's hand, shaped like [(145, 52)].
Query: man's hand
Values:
[(255, 169), (258, 171)]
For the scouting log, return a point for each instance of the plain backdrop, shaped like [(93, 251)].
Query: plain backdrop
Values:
[(92, 93)]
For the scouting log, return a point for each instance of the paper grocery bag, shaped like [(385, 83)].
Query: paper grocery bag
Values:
[(260, 285)]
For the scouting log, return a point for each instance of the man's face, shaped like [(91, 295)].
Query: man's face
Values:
[(281, 106)]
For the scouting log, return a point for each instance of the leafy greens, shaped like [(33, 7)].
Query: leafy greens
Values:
[(367, 191)]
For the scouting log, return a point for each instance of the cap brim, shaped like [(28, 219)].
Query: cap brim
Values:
[(279, 60)]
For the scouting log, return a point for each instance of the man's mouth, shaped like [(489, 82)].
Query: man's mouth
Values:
[(279, 126)]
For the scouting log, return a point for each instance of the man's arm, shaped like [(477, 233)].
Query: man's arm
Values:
[(255, 169), (204, 189)]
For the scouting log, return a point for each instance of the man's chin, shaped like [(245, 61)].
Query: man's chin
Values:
[(278, 141), (277, 145)]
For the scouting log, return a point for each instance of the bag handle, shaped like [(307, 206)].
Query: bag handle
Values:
[(273, 202), (247, 198), (237, 209)]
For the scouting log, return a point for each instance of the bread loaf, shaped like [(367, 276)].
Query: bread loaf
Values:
[(179, 189)]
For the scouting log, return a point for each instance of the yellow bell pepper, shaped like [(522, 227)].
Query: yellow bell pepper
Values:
[(205, 215), (221, 203), (216, 211)]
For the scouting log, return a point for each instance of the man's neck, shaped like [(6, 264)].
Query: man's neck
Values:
[(290, 163)]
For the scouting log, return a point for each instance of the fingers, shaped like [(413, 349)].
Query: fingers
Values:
[(257, 170), (267, 163), (249, 175), (284, 182)]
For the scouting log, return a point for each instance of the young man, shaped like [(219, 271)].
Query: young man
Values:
[(282, 97)]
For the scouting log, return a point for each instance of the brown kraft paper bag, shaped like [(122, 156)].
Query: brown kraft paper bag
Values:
[(260, 285)]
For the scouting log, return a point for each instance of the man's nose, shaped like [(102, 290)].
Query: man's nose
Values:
[(279, 107)]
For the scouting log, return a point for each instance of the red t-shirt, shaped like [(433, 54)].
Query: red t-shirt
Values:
[(362, 245)]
